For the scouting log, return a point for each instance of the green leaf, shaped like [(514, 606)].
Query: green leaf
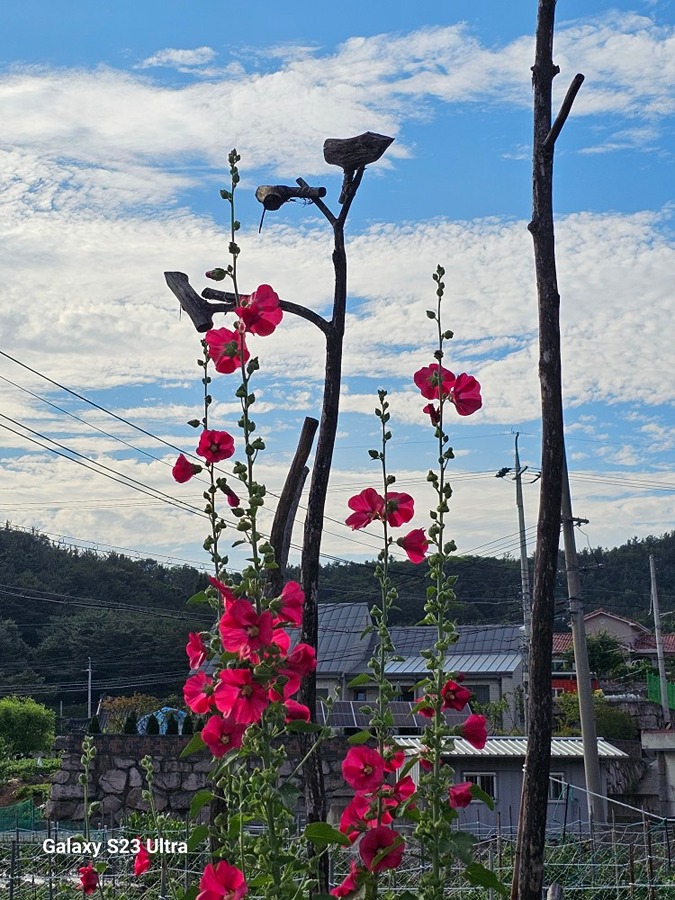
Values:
[(189, 894), (200, 799), (259, 880), (363, 678), (289, 794), (195, 745), (323, 833), (198, 834), (461, 842), (359, 738), (300, 727), (477, 874), (198, 598), (481, 795)]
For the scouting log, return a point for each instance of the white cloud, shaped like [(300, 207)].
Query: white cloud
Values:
[(94, 163), (179, 59)]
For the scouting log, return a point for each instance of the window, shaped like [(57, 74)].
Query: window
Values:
[(359, 693), (556, 787), (481, 692), (406, 693), (486, 781)]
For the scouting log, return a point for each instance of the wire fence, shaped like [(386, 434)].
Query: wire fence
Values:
[(623, 862)]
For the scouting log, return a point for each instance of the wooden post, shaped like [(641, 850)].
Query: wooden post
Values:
[(529, 861)]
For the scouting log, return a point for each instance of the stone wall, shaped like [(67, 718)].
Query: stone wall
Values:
[(117, 781)]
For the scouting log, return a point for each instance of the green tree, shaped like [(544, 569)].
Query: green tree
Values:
[(152, 726), (25, 725), (606, 657), (611, 722)]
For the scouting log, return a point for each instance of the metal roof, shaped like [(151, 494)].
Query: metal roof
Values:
[(467, 664), (410, 639), (561, 747), (341, 625)]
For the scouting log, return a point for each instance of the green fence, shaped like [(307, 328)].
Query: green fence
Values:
[(21, 815), (654, 690)]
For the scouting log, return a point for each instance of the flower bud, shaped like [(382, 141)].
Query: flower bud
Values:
[(216, 274)]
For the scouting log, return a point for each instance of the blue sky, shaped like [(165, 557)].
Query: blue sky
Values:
[(117, 120)]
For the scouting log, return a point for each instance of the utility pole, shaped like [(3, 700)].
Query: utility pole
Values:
[(589, 738), (526, 593), (663, 684), (524, 566), (89, 687)]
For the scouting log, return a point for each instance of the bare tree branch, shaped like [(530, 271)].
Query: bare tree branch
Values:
[(565, 110)]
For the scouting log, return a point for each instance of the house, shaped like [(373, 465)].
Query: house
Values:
[(637, 641), (488, 657), (498, 770)]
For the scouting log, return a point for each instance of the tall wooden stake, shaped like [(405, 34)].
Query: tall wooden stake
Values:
[(528, 863)]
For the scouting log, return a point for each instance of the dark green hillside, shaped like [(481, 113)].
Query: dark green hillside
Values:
[(60, 606)]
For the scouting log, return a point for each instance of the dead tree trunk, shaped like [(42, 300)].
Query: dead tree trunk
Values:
[(528, 864)]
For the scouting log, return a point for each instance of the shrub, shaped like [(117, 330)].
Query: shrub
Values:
[(25, 725), (152, 726), (94, 725), (171, 724), (131, 724), (188, 725)]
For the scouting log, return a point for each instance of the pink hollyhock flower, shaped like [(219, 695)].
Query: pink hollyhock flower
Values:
[(301, 661), (260, 311), (415, 544), (222, 735), (400, 508), (433, 412), (393, 759), (142, 859), (360, 815), (404, 789), (363, 769), (351, 882), (239, 696), (222, 882), (243, 631), (460, 795), (215, 446), (454, 696), (292, 601), (232, 499), (88, 879), (296, 712), (227, 349), (465, 394), (183, 469), (195, 649), (474, 731), (225, 592), (353, 819), (281, 638), (434, 381), (376, 840), (367, 506), (198, 693)]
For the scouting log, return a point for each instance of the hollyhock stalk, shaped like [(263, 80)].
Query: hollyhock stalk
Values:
[(436, 824)]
